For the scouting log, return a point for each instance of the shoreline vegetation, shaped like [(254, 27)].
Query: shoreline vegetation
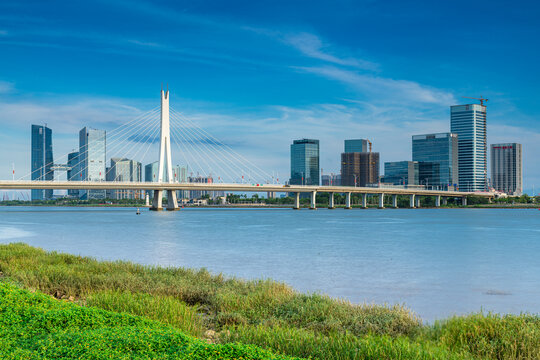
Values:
[(56, 305), (239, 201)]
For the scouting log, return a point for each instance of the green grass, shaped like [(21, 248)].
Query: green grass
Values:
[(36, 326), (265, 313)]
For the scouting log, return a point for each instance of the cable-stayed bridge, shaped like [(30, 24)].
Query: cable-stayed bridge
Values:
[(200, 152)]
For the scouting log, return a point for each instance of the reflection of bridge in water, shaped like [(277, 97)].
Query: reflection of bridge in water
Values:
[(166, 181)]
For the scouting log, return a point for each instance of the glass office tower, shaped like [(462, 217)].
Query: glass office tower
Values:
[(506, 168), (124, 170), (92, 151), (356, 145), (469, 123), (437, 155), (73, 173), (401, 173), (42, 160), (305, 162)]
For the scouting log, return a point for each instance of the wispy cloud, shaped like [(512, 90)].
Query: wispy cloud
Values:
[(6, 87), (312, 46), (384, 89)]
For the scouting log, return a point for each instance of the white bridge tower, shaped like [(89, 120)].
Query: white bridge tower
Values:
[(165, 160)]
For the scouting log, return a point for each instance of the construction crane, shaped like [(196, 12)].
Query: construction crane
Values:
[(481, 99)]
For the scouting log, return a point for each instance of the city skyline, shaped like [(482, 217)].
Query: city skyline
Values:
[(332, 85)]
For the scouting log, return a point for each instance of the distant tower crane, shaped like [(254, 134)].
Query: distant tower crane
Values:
[(482, 100)]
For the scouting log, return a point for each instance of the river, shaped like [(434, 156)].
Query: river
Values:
[(437, 262)]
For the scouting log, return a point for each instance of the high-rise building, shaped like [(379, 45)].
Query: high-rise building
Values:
[(305, 168), (359, 169), (92, 152), (124, 170), (42, 160), (73, 173), (437, 155), (469, 123), (331, 180), (197, 194), (356, 145), (401, 173), (506, 168)]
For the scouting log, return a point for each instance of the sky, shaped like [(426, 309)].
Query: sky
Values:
[(258, 74)]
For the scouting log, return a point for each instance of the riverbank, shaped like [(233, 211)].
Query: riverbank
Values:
[(263, 313)]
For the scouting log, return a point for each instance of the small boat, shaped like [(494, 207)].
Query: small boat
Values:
[(138, 211)]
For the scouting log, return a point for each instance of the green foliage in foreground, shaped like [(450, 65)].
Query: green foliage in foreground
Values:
[(36, 326), (264, 313)]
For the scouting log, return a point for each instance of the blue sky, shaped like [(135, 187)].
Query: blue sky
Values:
[(257, 74)]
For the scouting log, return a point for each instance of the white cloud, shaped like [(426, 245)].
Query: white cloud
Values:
[(384, 89), (312, 46), (6, 87)]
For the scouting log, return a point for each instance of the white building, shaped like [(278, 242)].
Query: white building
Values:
[(469, 123)]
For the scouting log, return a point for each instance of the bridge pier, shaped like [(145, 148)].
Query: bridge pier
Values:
[(438, 201), (348, 200), (445, 200), (394, 201), (364, 201), (313, 204), (331, 201), (418, 202), (464, 201), (172, 202), (296, 205), (157, 201), (411, 205), (381, 201)]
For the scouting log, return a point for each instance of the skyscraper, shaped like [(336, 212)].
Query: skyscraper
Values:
[(92, 151), (469, 123), (305, 168), (437, 155), (506, 168), (73, 173), (124, 170), (401, 172), (42, 160), (356, 145), (359, 169)]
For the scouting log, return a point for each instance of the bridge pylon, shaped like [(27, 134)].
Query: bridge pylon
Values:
[(165, 159)]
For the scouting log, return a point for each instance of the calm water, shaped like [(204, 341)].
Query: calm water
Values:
[(437, 262)]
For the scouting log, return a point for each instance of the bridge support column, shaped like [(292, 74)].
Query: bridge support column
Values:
[(348, 200), (464, 201), (394, 201), (296, 205), (438, 201), (364, 201), (411, 205), (331, 201), (157, 201), (313, 204), (418, 202), (445, 201), (172, 202), (381, 201)]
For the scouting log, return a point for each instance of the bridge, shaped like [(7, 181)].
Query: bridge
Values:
[(168, 182)]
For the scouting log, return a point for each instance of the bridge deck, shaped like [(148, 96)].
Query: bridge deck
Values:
[(110, 185)]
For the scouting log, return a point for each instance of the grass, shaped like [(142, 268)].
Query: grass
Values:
[(36, 326), (265, 313)]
